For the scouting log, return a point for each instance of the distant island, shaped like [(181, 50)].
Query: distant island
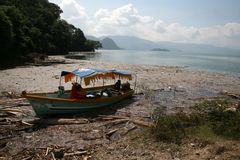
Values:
[(160, 49), (109, 44)]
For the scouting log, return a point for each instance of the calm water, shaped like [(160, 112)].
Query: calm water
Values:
[(227, 63)]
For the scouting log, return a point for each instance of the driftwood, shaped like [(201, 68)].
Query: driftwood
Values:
[(47, 151), (129, 130), (7, 137), (11, 103), (55, 121), (6, 106), (234, 96), (23, 104), (85, 158), (2, 114), (142, 123), (116, 122), (28, 157), (26, 123), (75, 153), (10, 110), (53, 156), (111, 117), (9, 121), (121, 119), (205, 98), (111, 132)]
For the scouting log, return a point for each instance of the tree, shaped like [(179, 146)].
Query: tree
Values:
[(14, 42), (6, 32), (92, 45), (28, 26)]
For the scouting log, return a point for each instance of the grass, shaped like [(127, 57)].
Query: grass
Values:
[(207, 122), (202, 134)]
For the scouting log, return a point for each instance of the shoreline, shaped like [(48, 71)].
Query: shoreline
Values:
[(175, 88), (169, 86), (13, 78)]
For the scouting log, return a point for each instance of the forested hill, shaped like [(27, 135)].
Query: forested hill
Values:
[(35, 26)]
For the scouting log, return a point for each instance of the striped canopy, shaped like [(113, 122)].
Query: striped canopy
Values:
[(94, 74)]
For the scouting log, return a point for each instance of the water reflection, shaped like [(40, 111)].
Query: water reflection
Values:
[(84, 55)]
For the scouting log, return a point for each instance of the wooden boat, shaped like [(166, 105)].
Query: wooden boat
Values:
[(59, 102)]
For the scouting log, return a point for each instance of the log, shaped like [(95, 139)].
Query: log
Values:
[(116, 122), (113, 117), (75, 153), (11, 110), (55, 121), (129, 130), (27, 158), (3, 114), (85, 158), (23, 104), (122, 119), (47, 151), (107, 118), (7, 137), (111, 132), (204, 98), (142, 123), (53, 156), (26, 123), (234, 96)]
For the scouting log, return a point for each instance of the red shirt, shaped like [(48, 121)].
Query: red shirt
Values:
[(76, 93)]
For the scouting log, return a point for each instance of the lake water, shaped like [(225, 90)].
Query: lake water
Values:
[(215, 62)]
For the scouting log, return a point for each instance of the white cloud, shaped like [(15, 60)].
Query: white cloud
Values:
[(73, 12), (126, 20)]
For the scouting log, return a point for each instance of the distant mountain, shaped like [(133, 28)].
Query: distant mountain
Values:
[(108, 43), (92, 38), (135, 43)]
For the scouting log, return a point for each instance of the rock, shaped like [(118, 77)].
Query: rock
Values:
[(58, 154), (110, 148), (56, 76), (192, 144)]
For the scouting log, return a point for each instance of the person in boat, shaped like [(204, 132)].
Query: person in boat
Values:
[(77, 91), (117, 85), (126, 86), (60, 91)]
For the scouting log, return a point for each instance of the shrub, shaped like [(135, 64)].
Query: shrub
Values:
[(210, 118), (220, 118), (169, 129)]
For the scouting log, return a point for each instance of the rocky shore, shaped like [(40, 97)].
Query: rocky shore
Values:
[(112, 132)]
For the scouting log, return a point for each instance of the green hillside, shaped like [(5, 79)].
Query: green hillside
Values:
[(35, 26)]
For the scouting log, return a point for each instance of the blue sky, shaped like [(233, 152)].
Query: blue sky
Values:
[(215, 22)]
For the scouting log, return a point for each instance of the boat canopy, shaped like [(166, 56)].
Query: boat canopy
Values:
[(94, 74)]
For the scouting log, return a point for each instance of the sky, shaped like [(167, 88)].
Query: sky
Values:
[(214, 22)]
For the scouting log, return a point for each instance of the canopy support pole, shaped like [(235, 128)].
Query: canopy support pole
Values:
[(80, 81), (60, 82), (135, 84)]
